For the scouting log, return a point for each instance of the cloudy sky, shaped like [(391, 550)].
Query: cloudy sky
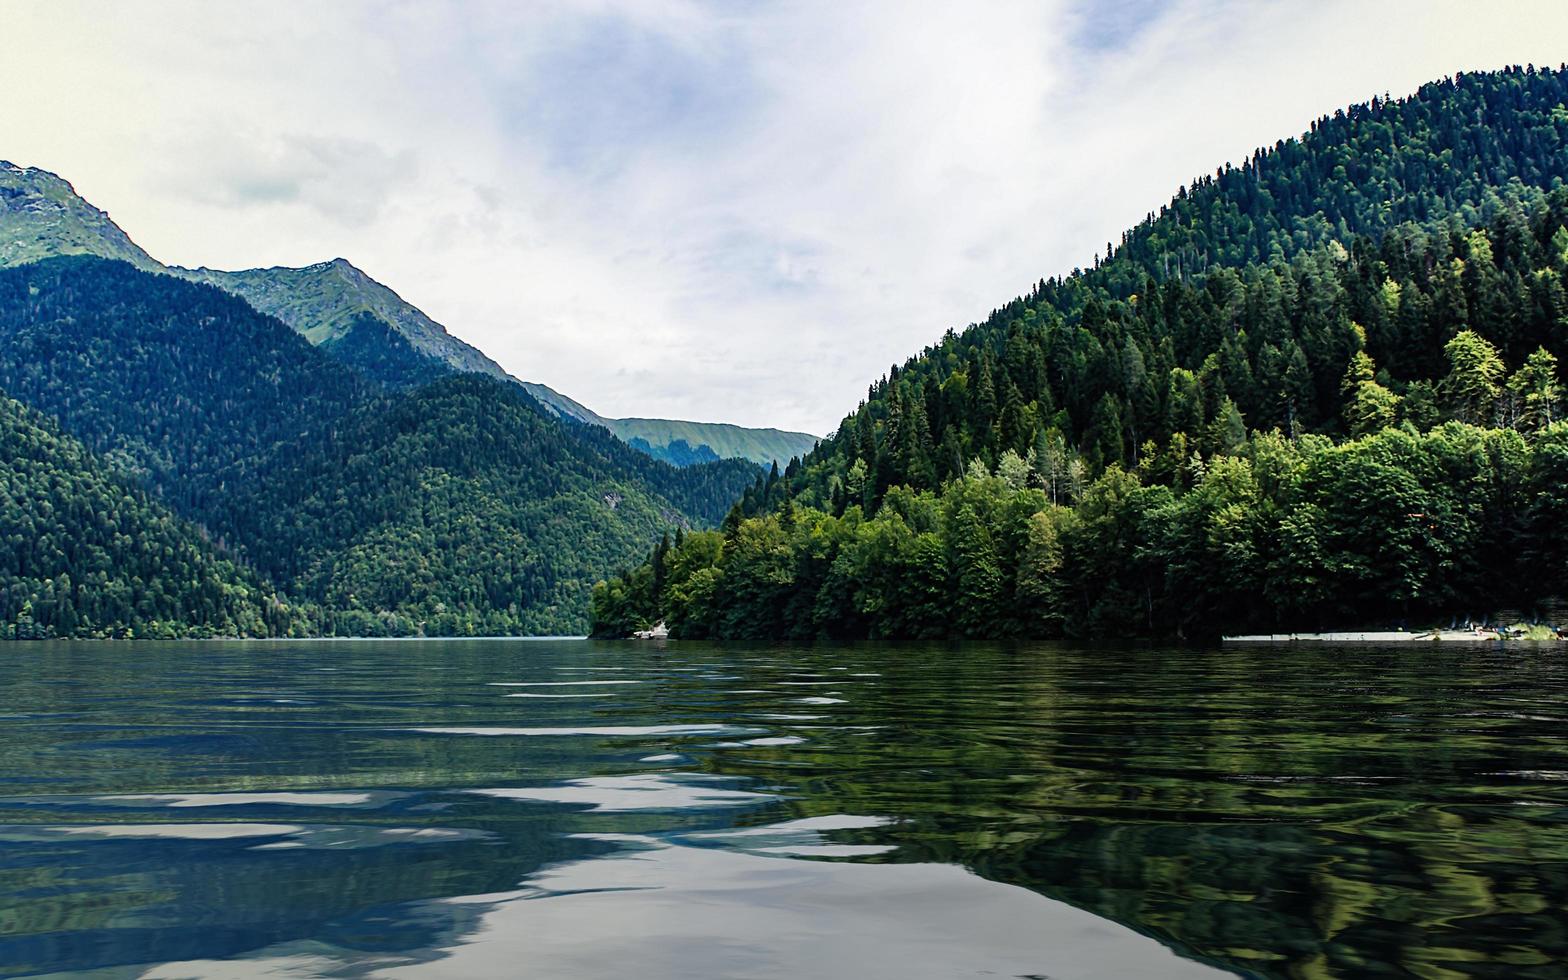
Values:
[(738, 211)]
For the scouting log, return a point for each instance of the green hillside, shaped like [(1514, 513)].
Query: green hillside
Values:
[(41, 215), (325, 301), (1318, 388), (182, 386), (470, 510), (85, 553), (329, 487), (380, 354)]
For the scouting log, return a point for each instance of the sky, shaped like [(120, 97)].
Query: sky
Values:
[(739, 211)]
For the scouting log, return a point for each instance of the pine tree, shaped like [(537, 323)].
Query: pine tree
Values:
[(1536, 391), (1474, 380)]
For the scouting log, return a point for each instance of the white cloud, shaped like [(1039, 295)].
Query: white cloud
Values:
[(733, 212)]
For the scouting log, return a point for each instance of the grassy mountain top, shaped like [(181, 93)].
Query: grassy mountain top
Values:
[(324, 301), (42, 215)]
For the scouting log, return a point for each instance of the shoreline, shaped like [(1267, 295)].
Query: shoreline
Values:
[(1501, 635)]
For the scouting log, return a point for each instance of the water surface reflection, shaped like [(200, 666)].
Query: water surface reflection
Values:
[(396, 808)]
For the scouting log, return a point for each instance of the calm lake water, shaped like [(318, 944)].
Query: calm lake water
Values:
[(583, 810)]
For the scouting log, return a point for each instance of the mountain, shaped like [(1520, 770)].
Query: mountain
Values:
[(42, 215), (677, 453), (684, 443), (662, 437), (329, 302), (326, 485), (472, 511), (560, 406), (1321, 388), (357, 320), (369, 327), (181, 386), (83, 552)]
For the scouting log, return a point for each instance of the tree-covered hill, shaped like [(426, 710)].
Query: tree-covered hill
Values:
[(83, 552), (380, 354), (326, 485), (462, 507), (1394, 273)]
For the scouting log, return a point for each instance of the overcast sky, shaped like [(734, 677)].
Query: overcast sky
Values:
[(735, 211)]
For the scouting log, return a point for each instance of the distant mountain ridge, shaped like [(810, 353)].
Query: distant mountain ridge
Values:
[(725, 440), (325, 301), (677, 441), (353, 317), (328, 302)]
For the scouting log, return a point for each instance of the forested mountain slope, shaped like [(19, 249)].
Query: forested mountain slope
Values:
[(462, 507), (302, 468), (181, 385), (83, 552), (1150, 445)]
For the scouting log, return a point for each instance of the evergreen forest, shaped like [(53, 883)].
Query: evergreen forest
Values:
[(1323, 388), (89, 553)]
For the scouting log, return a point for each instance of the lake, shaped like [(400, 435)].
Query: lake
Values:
[(573, 809)]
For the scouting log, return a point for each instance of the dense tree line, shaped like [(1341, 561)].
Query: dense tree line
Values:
[(457, 506), (85, 553), (1398, 528), (1400, 267), (1360, 171)]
